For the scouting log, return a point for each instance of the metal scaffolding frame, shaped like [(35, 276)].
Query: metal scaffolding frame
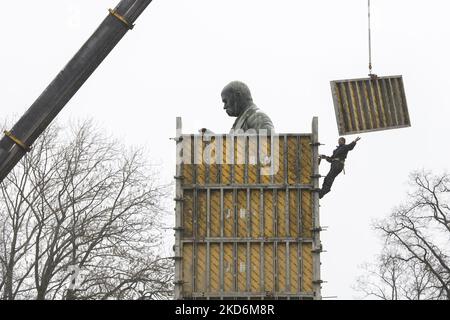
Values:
[(228, 239)]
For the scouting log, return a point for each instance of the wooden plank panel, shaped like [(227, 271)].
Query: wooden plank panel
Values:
[(293, 213), (228, 267), (239, 159), (278, 159), (369, 104), (269, 268), (188, 214), (188, 160), (215, 268), (265, 160), (242, 267), (255, 272), (255, 213), (201, 268), (306, 160), (269, 216), (215, 213), (242, 213), (227, 160), (187, 268), (211, 151), (307, 218), (281, 214), (294, 267), (228, 209), (199, 161), (293, 161), (201, 213), (252, 167), (281, 267), (307, 272)]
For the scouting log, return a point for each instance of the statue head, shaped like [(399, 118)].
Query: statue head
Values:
[(341, 141), (236, 97)]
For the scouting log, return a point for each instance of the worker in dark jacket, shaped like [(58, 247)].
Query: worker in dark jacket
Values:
[(337, 161)]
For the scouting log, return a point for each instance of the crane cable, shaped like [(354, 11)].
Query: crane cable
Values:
[(370, 39)]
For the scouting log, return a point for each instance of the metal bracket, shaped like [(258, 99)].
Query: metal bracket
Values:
[(178, 177), (316, 144), (178, 199), (17, 141), (177, 139), (319, 229), (318, 281), (316, 176), (318, 250), (121, 18)]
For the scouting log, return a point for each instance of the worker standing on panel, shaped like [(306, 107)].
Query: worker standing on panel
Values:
[(337, 161)]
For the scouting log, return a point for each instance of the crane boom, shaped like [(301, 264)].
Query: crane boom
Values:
[(16, 142)]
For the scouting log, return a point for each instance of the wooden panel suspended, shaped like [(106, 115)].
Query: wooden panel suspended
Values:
[(370, 104)]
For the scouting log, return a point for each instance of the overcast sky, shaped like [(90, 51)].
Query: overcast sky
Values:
[(181, 53)]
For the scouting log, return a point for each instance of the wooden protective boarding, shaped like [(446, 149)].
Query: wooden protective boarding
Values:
[(370, 104), (247, 222)]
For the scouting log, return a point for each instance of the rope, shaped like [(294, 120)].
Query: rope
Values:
[(370, 39)]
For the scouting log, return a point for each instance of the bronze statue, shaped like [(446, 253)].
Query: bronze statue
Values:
[(238, 103)]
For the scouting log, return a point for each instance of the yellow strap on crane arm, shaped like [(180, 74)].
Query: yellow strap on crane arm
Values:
[(121, 18), (17, 141)]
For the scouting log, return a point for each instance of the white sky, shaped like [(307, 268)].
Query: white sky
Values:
[(181, 53)]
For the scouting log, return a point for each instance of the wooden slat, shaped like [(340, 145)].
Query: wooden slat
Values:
[(370, 104)]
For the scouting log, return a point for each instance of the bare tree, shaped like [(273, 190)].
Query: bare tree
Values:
[(415, 263), (80, 217), (393, 278)]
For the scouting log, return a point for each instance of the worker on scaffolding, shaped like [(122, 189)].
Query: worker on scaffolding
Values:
[(337, 161)]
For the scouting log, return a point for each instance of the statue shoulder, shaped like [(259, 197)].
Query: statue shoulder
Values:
[(259, 120)]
